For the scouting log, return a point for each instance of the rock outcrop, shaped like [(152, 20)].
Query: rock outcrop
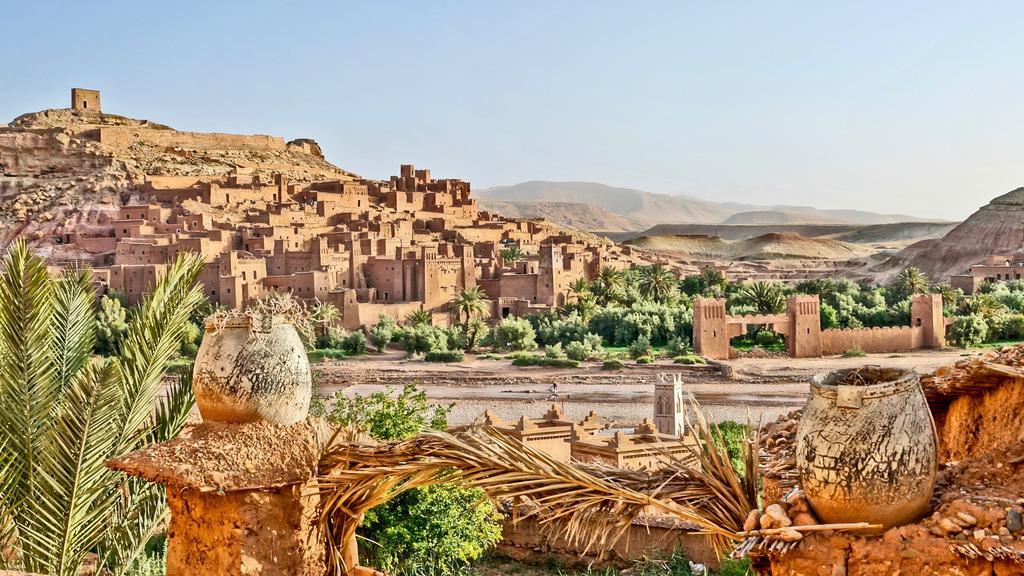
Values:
[(997, 228)]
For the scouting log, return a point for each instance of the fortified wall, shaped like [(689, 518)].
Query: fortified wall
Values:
[(801, 325), (126, 136)]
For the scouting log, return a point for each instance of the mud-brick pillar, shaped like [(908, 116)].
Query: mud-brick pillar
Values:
[(804, 337), (926, 313), (710, 331), (243, 498)]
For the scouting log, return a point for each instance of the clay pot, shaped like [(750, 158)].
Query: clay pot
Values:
[(248, 373), (867, 452)]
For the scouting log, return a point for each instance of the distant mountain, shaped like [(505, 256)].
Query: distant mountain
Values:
[(649, 209), (571, 214), (773, 246), (996, 228)]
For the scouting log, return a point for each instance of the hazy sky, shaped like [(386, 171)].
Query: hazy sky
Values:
[(911, 107)]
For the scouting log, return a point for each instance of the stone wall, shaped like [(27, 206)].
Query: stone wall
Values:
[(124, 137), (872, 340)]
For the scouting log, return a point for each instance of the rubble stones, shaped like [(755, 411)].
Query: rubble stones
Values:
[(1013, 521)]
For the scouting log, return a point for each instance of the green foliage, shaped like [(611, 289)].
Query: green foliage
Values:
[(734, 567), (910, 281), (433, 530), (968, 331), (382, 332), (731, 436), (678, 346), (111, 325), (854, 352), (657, 283), (153, 561), (470, 304), (417, 317), (330, 338), (550, 329), (388, 415), (555, 351), (514, 334), (423, 338), (64, 414), (444, 356), (590, 347), (762, 297), (322, 353), (354, 344), (612, 364), (475, 333), (538, 360), (689, 359), (511, 255), (828, 315), (657, 322), (645, 360), (640, 347)]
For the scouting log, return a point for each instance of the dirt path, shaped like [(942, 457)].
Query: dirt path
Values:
[(742, 389)]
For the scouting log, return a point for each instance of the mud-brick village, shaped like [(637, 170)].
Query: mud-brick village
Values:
[(511, 289)]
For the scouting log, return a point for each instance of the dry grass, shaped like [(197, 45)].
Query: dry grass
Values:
[(591, 507)]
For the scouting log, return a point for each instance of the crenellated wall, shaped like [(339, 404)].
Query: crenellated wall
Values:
[(872, 340)]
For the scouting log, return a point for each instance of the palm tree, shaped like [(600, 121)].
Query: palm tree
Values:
[(656, 283), (910, 281), (985, 305), (511, 255), (64, 413), (579, 287), (764, 297), (585, 305), (419, 317), (470, 303), (323, 315), (608, 282)]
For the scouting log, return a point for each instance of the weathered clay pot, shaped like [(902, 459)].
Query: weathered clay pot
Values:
[(865, 447), (247, 373)]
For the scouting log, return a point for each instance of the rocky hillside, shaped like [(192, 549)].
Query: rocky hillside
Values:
[(773, 246), (64, 172), (767, 217), (997, 228)]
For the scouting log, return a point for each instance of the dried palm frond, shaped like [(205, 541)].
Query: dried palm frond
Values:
[(586, 505)]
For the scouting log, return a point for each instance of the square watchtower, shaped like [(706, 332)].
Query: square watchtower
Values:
[(85, 100)]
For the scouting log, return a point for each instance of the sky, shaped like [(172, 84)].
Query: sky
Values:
[(908, 107)]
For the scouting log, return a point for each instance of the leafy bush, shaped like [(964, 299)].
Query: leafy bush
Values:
[(968, 331), (555, 351), (551, 329), (854, 351), (611, 364), (1011, 327), (514, 334), (355, 343), (475, 333), (734, 567), (657, 322), (689, 359), (321, 353), (383, 332), (639, 348), (768, 339), (433, 530), (645, 360), (678, 346), (424, 338), (538, 360), (111, 325), (444, 356), (330, 338), (731, 436)]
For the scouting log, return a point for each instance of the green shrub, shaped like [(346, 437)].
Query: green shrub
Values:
[(968, 331), (383, 332), (854, 351), (355, 343), (490, 356), (734, 567), (554, 351), (433, 530), (611, 364), (678, 346), (424, 338), (111, 325), (444, 356), (538, 360), (514, 334), (768, 339), (645, 360), (330, 338), (731, 436), (689, 359), (321, 353), (640, 348)]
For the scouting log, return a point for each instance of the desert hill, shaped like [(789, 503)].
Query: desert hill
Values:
[(650, 209), (66, 169), (878, 233), (772, 246), (996, 228), (570, 214)]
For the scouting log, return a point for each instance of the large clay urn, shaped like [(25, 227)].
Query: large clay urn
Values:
[(865, 447), (249, 370)]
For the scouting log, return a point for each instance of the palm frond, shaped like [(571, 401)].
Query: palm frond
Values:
[(27, 389), (76, 495), (587, 510), (151, 342), (73, 325)]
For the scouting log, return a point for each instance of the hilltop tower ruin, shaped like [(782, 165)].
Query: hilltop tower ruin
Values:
[(85, 100)]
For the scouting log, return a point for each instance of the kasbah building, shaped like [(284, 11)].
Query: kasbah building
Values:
[(369, 247)]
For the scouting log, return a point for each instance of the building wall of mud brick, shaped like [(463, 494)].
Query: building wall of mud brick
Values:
[(977, 423), (640, 541), (125, 136), (710, 335), (85, 100), (871, 340)]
